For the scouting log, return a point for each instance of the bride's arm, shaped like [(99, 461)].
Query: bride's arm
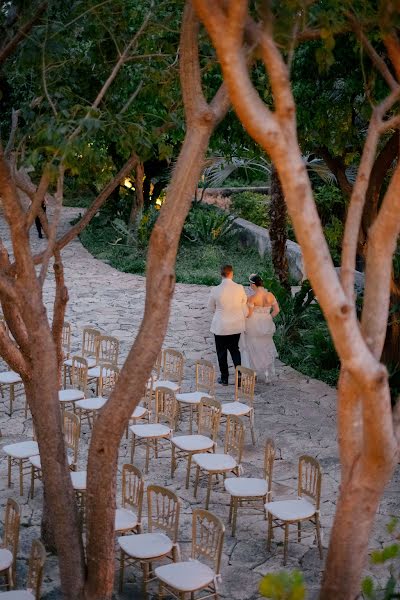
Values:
[(272, 301)]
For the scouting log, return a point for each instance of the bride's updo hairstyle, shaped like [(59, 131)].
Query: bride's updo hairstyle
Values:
[(256, 280)]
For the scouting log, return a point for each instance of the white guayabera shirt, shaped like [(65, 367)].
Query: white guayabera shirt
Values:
[(228, 301)]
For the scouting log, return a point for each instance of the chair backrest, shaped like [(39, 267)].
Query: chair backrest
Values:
[(163, 507), (132, 489), (107, 349), (173, 365), (79, 373), (89, 342), (109, 374), (148, 394), (269, 458), (209, 417), (11, 528), (234, 438), (310, 478), (66, 339), (207, 537), (158, 365), (37, 558), (72, 432), (166, 407), (205, 377), (245, 391)]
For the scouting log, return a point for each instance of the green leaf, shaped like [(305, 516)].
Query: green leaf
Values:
[(367, 587)]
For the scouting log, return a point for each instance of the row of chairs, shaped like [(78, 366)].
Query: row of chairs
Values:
[(8, 557)]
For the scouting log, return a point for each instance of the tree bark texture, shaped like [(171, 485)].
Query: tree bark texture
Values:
[(160, 281), (368, 430), (278, 231)]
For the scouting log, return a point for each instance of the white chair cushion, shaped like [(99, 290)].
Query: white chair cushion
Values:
[(145, 545), (291, 510), (215, 462), (91, 403), (150, 430), (6, 559), (10, 377), (246, 487), (192, 397), (17, 595), (22, 450), (235, 408), (139, 412), (191, 443), (94, 372), (187, 576), (171, 385), (125, 519), (37, 463), (70, 395), (78, 479)]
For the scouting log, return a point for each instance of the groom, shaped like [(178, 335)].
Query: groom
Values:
[(228, 301)]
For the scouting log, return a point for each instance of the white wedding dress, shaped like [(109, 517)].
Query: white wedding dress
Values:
[(257, 346)]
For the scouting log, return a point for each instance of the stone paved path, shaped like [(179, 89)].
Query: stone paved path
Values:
[(298, 412)]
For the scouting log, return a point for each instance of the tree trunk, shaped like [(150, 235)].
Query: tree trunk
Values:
[(103, 453), (46, 529), (351, 529), (278, 231), (42, 397), (138, 201), (391, 350)]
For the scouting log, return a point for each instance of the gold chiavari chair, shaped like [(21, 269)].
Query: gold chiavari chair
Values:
[(283, 513), (128, 518), (244, 398), (10, 541), (205, 388)]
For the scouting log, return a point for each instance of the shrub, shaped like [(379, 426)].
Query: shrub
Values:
[(252, 207), (208, 225), (283, 586)]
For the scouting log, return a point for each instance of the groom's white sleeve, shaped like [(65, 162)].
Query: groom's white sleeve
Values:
[(211, 302)]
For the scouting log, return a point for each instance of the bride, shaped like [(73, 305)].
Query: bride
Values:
[(256, 344)]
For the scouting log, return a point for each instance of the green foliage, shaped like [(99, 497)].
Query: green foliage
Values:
[(388, 555), (252, 207), (283, 586), (207, 225)]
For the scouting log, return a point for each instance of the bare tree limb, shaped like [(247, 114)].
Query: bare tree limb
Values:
[(22, 33), (59, 307), (14, 126), (52, 230), (382, 241), (392, 44), (132, 97), (37, 197)]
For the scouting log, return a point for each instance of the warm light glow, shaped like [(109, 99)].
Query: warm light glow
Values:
[(128, 183)]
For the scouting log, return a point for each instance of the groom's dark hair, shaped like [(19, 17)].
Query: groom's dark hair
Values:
[(226, 270)]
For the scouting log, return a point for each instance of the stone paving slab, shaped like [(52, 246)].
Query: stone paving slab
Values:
[(298, 412)]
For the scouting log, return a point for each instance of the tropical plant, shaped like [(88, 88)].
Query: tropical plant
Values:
[(389, 555), (252, 207), (208, 225), (283, 586)]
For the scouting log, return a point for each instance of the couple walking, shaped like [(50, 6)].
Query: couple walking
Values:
[(243, 325)]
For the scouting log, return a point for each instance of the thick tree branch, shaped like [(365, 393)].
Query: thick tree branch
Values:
[(393, 48), (382, 241), (337, 166), (38, 197), (52, 230), (22, 33)]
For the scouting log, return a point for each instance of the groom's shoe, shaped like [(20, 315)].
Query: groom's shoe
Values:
[(222, 381)]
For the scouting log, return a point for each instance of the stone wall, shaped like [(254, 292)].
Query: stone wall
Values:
[(252, 235)]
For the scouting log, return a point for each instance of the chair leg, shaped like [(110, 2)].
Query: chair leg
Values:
[(160, 590), (196, 481), (9, 471), (32, 490), (318, 529), (133, 447), (173, 466), (230, 510), (146, 468), (235, 511), (269, 538), (145, 569), (191, 419), (299, 531), (189, 465), (65, 377), (286, 543), (21, 479), (253, 437), (121, 571), (12, 397), (209, 484)]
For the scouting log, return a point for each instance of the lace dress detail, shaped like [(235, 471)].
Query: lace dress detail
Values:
[(257, 345)]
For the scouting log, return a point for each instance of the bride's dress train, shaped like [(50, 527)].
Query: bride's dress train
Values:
[(257, 345)]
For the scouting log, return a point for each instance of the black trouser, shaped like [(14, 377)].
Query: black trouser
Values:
[(223, 343), (38, 223)]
